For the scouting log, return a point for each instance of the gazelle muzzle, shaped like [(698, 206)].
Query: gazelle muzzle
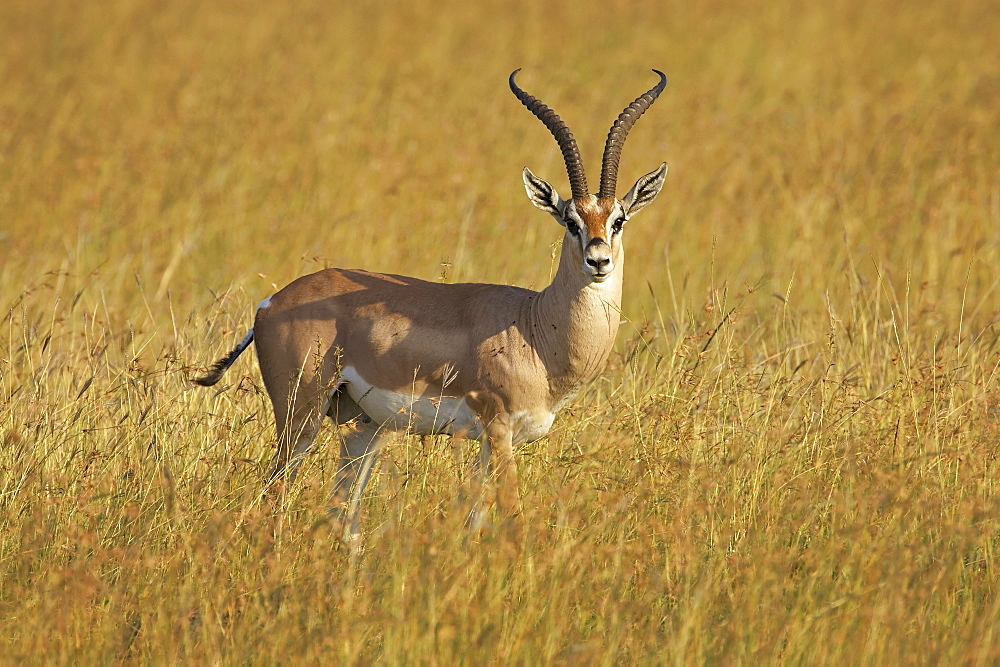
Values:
[(597, 262)]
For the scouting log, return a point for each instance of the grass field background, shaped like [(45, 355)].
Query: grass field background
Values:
[(791, 457)]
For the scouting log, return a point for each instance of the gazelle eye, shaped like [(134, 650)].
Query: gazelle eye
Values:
[(616, 226), (572, 228)]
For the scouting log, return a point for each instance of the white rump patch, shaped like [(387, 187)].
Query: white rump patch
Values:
[(403, 411)]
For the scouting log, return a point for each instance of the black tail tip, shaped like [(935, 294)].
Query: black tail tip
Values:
[(207, 380), (214, 375)]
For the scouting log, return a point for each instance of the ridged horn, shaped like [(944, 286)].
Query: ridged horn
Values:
[(559, 130), (616, 137)]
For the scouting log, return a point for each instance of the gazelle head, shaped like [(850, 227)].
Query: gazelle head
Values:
[(594, 223)]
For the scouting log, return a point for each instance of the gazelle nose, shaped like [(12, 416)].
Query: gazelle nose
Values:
[(599, 263)]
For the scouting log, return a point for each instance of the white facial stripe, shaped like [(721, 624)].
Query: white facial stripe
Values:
[(574, 216), (571, 218)]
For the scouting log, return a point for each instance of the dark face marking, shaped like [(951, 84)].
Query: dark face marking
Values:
[(616, 226)]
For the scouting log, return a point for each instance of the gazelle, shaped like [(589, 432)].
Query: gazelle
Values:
[(383, 352)]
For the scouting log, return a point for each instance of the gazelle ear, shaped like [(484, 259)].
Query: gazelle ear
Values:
[(645, 190), (543, 195)]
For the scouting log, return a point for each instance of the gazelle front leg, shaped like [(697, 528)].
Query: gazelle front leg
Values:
[(497, 471), (477, 489), (502, 467)]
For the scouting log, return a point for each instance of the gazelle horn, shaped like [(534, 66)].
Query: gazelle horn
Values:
[(559, 130), (616, 137)]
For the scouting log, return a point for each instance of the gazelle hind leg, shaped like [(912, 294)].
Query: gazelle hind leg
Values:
[(296, 434), (358, 453), (298, 413)]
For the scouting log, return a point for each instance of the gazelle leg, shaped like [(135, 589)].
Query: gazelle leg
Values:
[(295, 436), (358, 453), (480, 485), (299, 401), (503, 468), (498, 468)]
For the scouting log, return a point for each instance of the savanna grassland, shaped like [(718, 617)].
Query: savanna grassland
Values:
[(791, 456)]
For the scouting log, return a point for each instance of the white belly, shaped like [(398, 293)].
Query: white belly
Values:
[(430, 415), (404, 411)]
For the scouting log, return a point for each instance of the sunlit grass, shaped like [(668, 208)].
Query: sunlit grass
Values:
[(791, 456)]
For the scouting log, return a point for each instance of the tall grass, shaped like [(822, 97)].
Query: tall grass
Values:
[(791, 456)]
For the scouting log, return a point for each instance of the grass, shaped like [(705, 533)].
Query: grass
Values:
[(791, 457)]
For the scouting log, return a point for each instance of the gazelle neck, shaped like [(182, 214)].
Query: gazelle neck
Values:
[(575, 322)]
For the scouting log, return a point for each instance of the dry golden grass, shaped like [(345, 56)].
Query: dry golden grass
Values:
[(792, 456)]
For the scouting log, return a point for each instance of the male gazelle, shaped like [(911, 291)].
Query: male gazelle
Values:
[(383, 352)]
